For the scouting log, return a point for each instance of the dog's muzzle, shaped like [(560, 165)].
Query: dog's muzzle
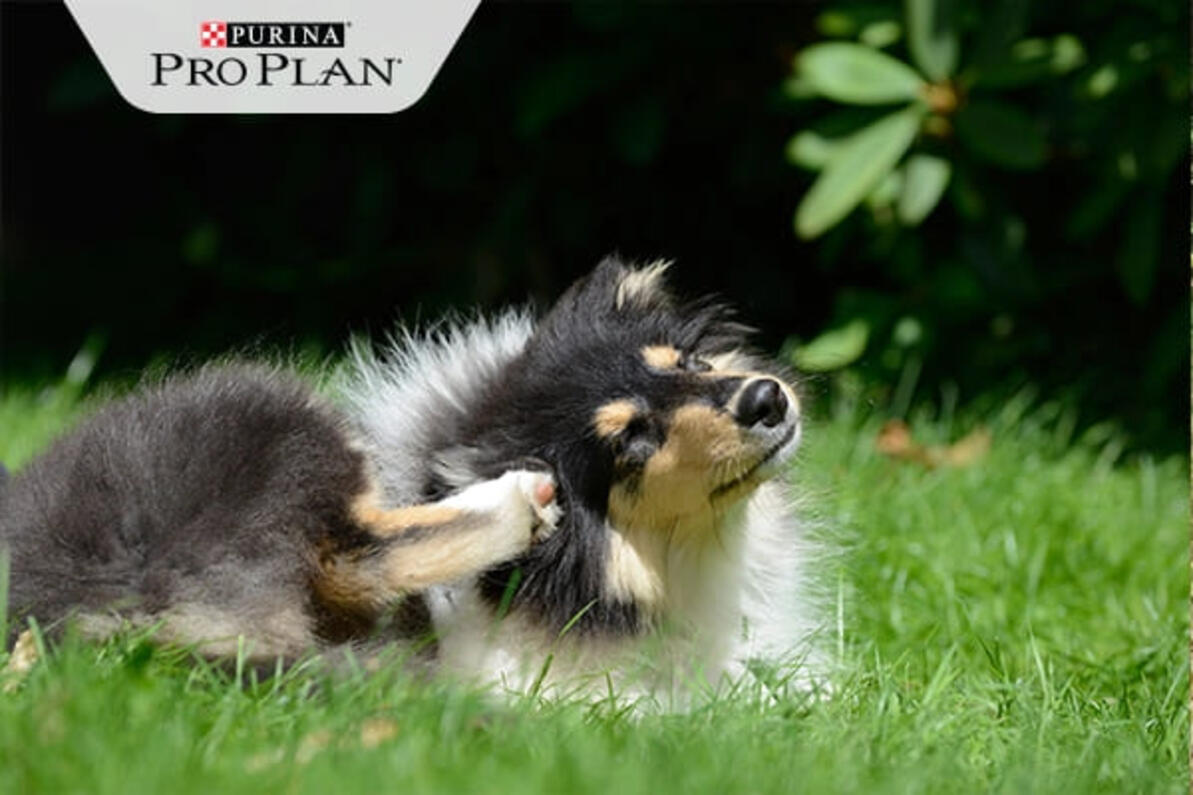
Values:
[(768, 411), (761, 401)]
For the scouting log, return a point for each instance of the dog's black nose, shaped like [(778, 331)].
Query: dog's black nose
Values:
[(761, 401)]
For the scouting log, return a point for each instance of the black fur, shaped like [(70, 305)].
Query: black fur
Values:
[(586, 353), (210, 489)]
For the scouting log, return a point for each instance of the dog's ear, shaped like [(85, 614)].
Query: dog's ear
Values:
[(641, 288), (613, 291)]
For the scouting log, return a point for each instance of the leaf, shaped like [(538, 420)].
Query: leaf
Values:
[(1001, 134), (848, 21), (834, 349), (924, 179), (858, 75), (835, 23), (797, 87), (886, 191), (810, 149), (932, 37), (1031, 60), (855, 168), (907, 331), (880, 34)]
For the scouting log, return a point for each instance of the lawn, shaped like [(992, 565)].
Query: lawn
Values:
[(1018, 624)]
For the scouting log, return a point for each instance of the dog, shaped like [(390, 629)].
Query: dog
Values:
[(592, 499), (679, 560)]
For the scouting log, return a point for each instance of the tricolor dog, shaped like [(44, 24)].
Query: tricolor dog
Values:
[(595, 498)]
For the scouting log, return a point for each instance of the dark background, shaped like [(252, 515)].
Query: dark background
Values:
[(557, 133)]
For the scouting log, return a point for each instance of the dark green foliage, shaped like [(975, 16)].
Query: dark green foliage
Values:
[(557, 133), (1062, 136)]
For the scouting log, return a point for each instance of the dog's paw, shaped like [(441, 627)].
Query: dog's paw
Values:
[(520, 505), (530, 502), (539, 490)]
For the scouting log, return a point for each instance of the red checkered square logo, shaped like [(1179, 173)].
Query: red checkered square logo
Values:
[(213, 34)]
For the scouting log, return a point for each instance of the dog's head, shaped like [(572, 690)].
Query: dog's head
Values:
[(653, 414)]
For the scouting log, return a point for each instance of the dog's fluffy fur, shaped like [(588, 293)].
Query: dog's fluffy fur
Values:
[(232, 503), (679, 558), (235, 502)]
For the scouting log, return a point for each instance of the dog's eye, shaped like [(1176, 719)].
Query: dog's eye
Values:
[(637, 427), (637, 442), (694, 364)]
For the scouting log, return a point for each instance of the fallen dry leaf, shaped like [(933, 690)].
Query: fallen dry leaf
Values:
[(375, 731), (21, 661), (311, 745), (895, 440), (263, 760)]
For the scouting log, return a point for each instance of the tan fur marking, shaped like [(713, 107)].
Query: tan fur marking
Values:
[(439, 560), (704, 448), (698, 435), (463, 541), (633, 571), (346, 583), (661, 357), (349, 581), (643, 285), (612, 418), (386, 522), (352, 582)]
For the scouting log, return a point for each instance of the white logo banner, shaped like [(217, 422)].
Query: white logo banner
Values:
[(258, 56)]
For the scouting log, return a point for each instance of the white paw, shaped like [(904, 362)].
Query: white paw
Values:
[(539, 490), (522, 503)]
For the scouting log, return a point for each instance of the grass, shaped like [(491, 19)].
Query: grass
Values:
[(1016, 625)]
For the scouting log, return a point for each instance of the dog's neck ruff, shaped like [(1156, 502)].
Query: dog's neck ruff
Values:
[(409, 400)]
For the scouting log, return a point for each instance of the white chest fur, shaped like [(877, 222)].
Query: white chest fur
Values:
[(721, 597)]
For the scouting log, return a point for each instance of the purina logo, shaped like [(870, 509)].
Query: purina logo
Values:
[(267, 69), (309, 56), (214, 33)]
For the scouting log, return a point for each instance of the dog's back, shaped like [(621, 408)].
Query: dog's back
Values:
[(232, 503), (197, 501)]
